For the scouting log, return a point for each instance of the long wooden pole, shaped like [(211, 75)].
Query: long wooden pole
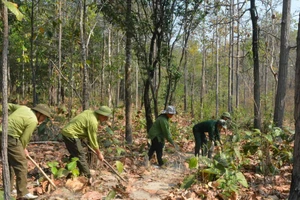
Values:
[(111, 167), (42, 171)]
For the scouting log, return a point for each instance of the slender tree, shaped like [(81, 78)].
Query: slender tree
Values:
[(128, 71), (295, 184), (254, 18), (5, 170), (85, 103), (283, 64)]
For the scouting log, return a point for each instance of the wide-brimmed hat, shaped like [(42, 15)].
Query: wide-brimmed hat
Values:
[(226, 114), (104, 110), (43, 109), (222, 123), (169, 110)]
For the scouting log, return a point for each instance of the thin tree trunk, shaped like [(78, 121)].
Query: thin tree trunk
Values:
[(5, 170), (283, 64), (237, 73), (59, 54), (202, 90), (31, 55), (85, 103), (217, 68), (230, 69), (295, 184), (128, 71), (254, 17)]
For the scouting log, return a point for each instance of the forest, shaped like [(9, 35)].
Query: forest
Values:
[(204, 57)]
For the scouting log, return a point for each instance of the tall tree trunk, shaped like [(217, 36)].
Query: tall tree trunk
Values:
[(85, 88), (202, 90), (217, 68), (237, 73), (283, 63), (254, 17), (5, 170), (295, 184), (59, 54), (109, 88), (33, 68), (231, 53), (128, 71)]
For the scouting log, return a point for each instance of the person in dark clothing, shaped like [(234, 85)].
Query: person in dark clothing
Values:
[(213, 128), (160, 131)]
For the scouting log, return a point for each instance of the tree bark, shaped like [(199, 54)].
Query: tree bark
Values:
[(85, 88), (5, 170), (295, 184), (128, 71), (283, 64), (254, 17)]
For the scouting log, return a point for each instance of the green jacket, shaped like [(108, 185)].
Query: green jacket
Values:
[(209, 126), (21, 123), (161, 129), (84, 125)]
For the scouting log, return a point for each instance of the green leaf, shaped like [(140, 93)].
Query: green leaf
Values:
[(72, 165), (120, 150), (214, 171), (52, 164), (241, 179), (54, 170), (111, 195), (60, 173), (14, 9), (193, 163), (237, 152), (120, 166), (108, 130), (75, 172), (74, 159), (188, 181), (269, 138)]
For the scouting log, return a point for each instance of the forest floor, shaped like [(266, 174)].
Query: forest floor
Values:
[(141, 182)]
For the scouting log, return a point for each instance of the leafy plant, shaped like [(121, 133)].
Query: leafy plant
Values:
[(71, 167)]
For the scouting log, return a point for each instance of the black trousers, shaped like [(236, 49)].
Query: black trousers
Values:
[(75, 149), (157, 147)]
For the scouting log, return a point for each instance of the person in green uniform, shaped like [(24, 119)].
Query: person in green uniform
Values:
[(213, 128), (159, 132), (21, 123), (84, 125)]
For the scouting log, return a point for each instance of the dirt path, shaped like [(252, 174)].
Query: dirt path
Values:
[(158, 183)]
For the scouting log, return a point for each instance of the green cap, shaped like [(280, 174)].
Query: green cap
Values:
[(43, 109), (226, 114), (104, 110)]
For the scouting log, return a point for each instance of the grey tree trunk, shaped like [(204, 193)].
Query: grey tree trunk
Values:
[(5, 171), (237, 73), (283, 64), (128, 78), (85, 88), (217, 68), (231, 53), (33, 69), (59, 54), (254, 17), (295, 184)]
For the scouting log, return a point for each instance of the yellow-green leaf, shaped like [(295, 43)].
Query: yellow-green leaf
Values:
[(14, 9), (120, 166)]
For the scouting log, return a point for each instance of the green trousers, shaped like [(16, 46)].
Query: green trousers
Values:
[(17, 165), (75, 149)]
